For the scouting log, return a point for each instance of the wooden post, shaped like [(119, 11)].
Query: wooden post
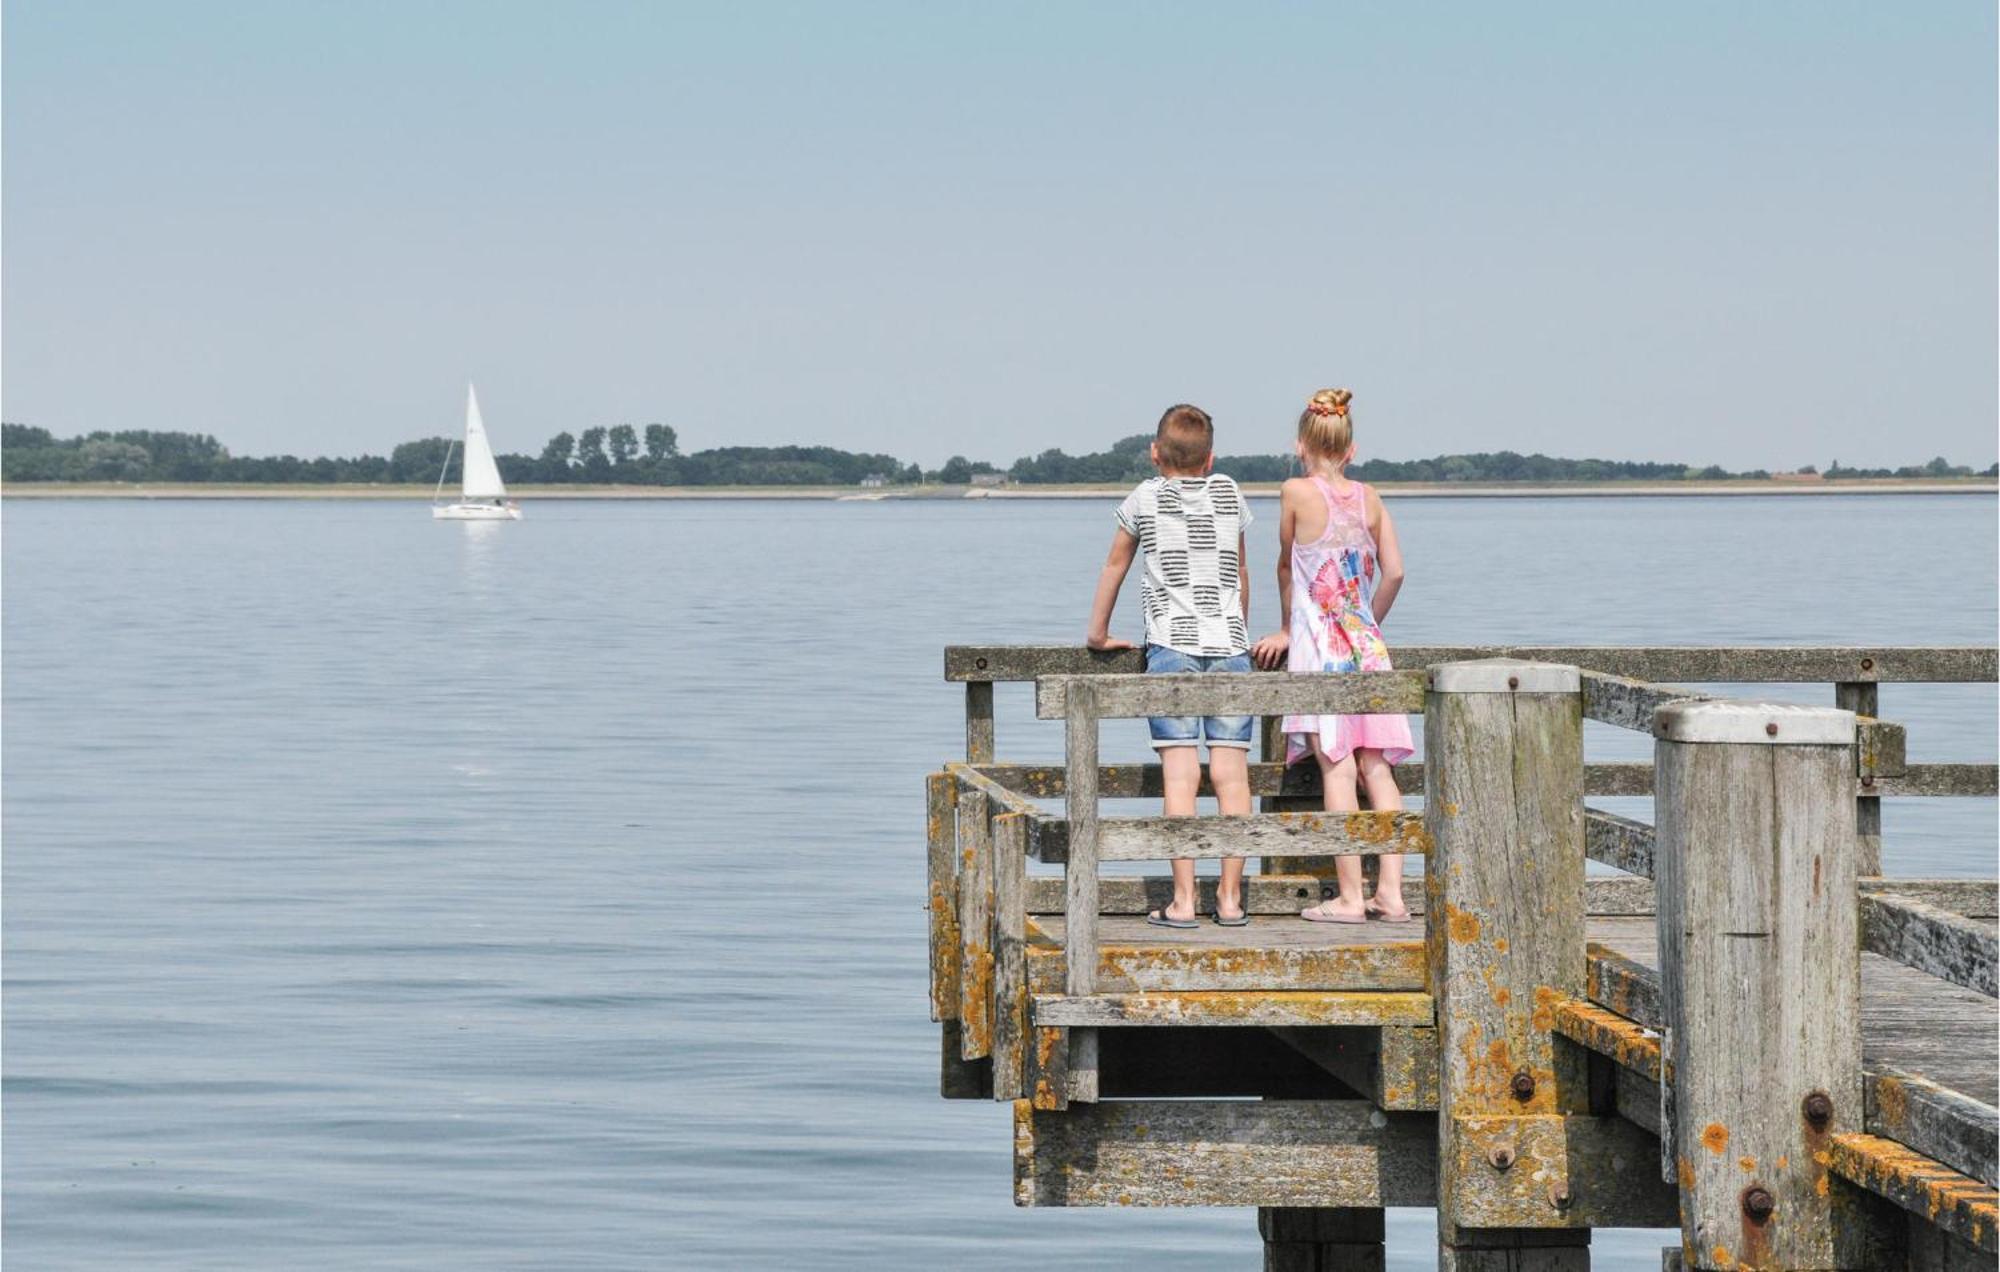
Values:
[(1010, 967), (1080, 880), (1760, 974), (975, 924), (978, 722), (1503, 800), (941, 840), (1325, 1239), (1860, 697)]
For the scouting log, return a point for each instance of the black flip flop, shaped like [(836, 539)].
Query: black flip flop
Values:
[(1241, 920), (1158, 918)]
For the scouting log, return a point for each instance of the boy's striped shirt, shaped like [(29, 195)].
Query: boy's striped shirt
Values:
[(1192, 586)]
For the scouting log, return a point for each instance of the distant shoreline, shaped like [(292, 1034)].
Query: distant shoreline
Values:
[(1406, 490)]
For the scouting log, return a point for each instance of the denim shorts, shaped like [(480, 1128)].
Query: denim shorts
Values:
[(1229, 731)]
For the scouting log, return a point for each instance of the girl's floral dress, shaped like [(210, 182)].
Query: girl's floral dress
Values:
[(1333, 629)]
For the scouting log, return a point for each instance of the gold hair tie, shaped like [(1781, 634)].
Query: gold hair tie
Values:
[(1324, 409)]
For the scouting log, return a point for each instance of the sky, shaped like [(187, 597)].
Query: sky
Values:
[(1756, 235)]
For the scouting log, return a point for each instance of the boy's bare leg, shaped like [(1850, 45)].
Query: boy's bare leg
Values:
[(1181, 771), (1229, 773), (1337, 785), (1380, 780)]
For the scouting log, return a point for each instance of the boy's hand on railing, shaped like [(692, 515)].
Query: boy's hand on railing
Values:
[(1269, 653), (1106, 641)]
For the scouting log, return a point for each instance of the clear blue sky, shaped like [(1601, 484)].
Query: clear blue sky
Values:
[(1748, 234)]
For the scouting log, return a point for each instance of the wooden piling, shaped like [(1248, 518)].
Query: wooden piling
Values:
[(1324, 1239), (1503, 800), (1760, 969), (1861, 697), (1080, 880), (975, 924), (979, 722)]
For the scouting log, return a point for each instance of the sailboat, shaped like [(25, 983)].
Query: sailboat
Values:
[(482, 495)]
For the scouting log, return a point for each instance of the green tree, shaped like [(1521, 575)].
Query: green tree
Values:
[(624, 443), (661, 442), (417, 461), (556, 454), (957, 471), (590, 453)]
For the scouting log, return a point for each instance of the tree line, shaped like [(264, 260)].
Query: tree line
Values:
[(650, 455)]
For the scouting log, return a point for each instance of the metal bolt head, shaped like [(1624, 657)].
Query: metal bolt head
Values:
[(979, 663), (1513, 682), (1501, 1156), (1867, 664), (1771, 729), (1758, 1203), (1559, 1195), (1523, 1086), (1818, 1109)]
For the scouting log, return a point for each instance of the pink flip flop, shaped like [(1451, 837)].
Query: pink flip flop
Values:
[(1376, 913), (1310, 917)]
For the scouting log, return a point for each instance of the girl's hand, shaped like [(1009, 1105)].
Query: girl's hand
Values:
[(1269, 653), (1105, 641)]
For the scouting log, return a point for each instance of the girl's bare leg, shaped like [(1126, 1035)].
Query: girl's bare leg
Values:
[(1337, 785), (1229, 773), (1181, 774), (1380, 780)]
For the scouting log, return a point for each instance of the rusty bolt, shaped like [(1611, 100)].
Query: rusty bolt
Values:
[(1559, 1195), (1818, 1110), (1867, 664), (979, 663), (1501, 1155), (1758, 1203), (1771, 729), (1513, 682), (1523, 1086), (1868, 779)]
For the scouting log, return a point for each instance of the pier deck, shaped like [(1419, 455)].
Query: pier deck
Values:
[(1751, 1031)]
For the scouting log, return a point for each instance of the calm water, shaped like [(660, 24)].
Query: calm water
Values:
[(386, 894)]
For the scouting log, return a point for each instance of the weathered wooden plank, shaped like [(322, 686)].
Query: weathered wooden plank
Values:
[(978, 722), (1210, 959), (1957, 1203), (1971, 898), (975, 924), (1629, 703), (1926, 1118), (1311, 834), (1605, 778), (941, 844), (1238, 693), (1593, 1172), (1946, 945), (1504, 800), (1391, 1068), (1935, 780), (1758, 946), (999, 797), (1267, 1008), (1690, 664), (1287, 894), (1010, 956), (1048, 1069), (1606, 1033), (1629, 988), (1618, 842), (1223, 1153), (959, 1078), (1881, 749), (1928, 1248), (1080, 733)]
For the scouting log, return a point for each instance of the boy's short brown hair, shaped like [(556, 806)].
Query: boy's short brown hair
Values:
[(1186, 436)]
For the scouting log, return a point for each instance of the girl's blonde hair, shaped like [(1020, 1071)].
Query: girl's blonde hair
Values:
[(1325, 428)]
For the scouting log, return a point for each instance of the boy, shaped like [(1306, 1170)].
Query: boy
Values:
[(1189, 524)]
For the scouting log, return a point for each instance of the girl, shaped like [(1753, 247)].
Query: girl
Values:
[(1339, 570)]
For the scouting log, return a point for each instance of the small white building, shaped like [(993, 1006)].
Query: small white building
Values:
[(989, 479), (873, 480)]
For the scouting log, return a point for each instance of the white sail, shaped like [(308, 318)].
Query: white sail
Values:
[(482, 475)]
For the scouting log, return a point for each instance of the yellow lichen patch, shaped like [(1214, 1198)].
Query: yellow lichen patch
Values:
[(1747, 1163), (1499, 945), (1715, 1138), (1957, 1203), (1545, 1008), (1684, 1172), (1461, 926), (1721, 1257), (1892, 1103)]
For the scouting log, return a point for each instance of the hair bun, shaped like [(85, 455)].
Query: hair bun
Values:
[(1330, 402)]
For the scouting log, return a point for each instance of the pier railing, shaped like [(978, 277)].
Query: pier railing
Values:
[(1510, 1070)]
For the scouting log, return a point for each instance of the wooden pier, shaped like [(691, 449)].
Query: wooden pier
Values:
[(1751, 1031)]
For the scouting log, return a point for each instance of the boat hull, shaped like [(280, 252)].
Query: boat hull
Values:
[(475, 512)]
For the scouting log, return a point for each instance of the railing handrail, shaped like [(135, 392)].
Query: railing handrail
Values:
[(1674, 664)]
